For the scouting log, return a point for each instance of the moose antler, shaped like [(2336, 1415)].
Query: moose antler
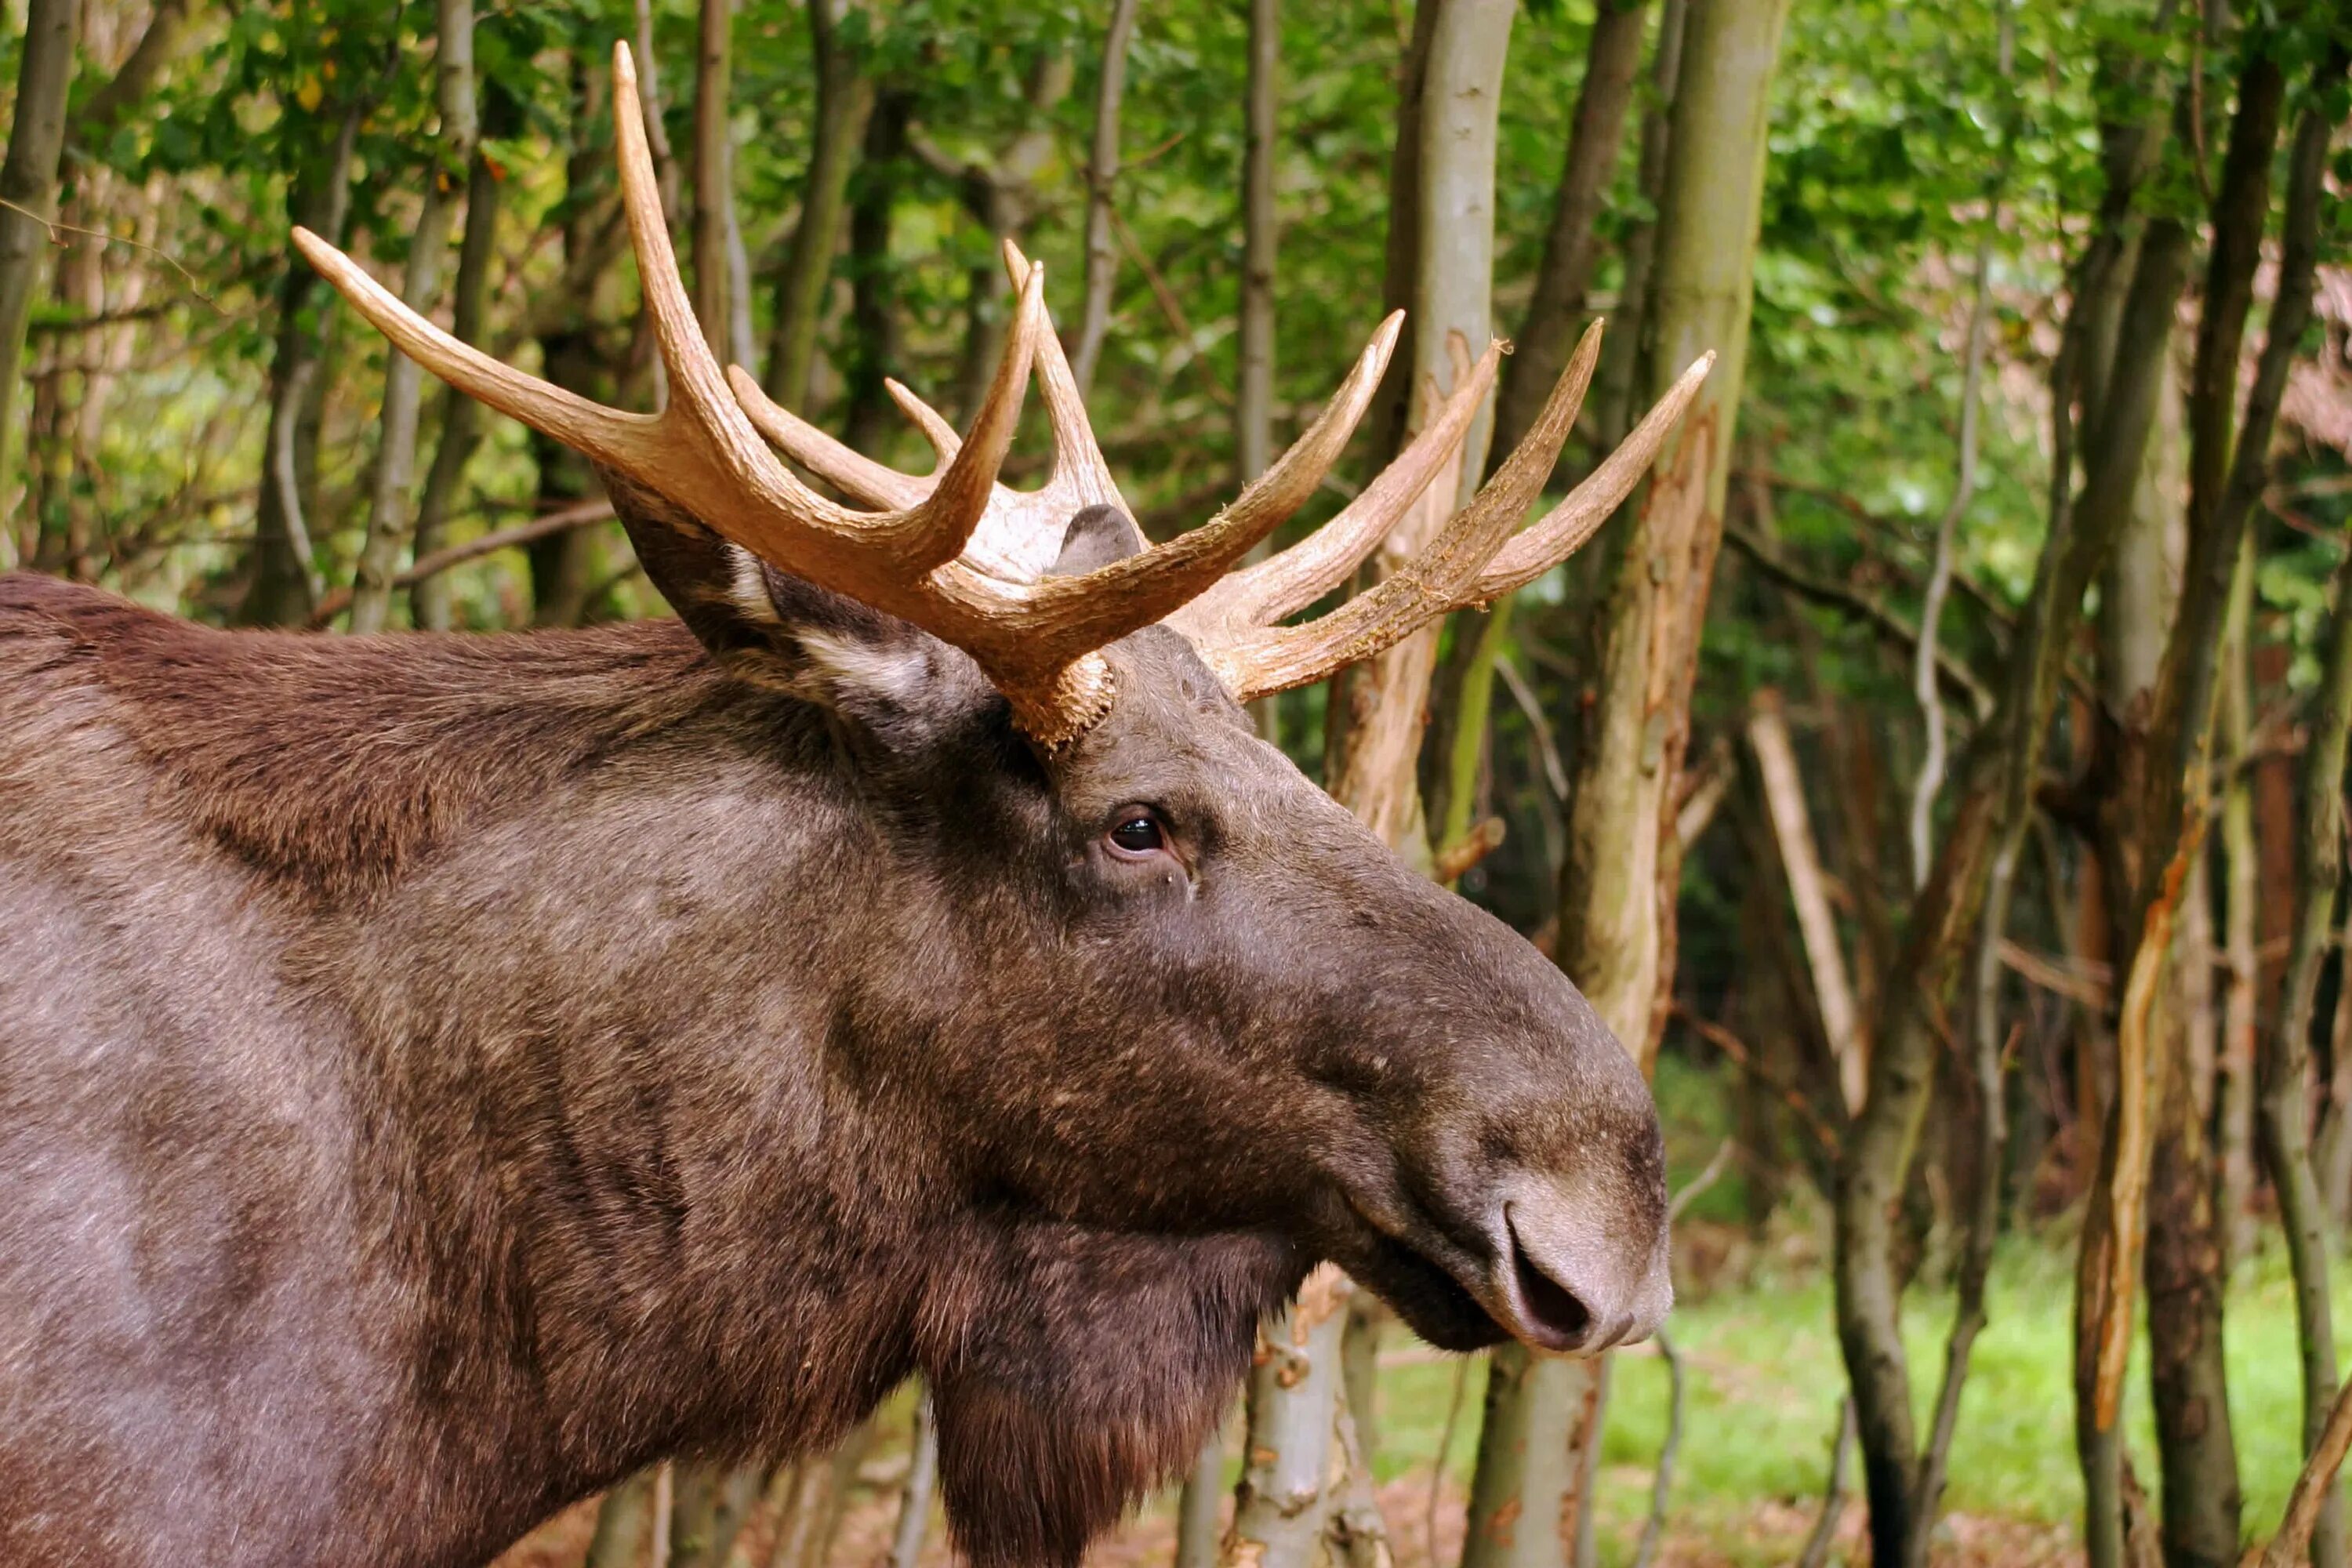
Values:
[(963, 558), (1476, 558)]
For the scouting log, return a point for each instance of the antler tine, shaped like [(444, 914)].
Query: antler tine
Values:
[(1441, 576), (1563, 531), (1281, 584), (858, 475), (1080, 476), (1085, 612), (924, 417), (960, 478)]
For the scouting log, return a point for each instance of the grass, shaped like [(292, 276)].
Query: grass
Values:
[(1766, 1382)]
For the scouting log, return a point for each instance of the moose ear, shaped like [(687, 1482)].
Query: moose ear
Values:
[(771, 629), (1096, 537)]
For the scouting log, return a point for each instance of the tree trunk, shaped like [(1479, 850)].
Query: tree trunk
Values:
[(1792, 832), (2235, 1055), (1197, 1506), (28, 184), (2285, 1097), (1621, 353), (875, 335), (1102, 178), (2201, 1497), (1616, 895), (461, 417), (714, 174), (404, 390), (845, 97), (1288, 1482), (1556, 310), (1377, 707), (285, 583), (1254, 401)]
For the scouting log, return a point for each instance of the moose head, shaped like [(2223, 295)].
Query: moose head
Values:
[(923, 967)]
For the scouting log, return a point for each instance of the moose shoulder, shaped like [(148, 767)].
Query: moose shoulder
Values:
[(442, 1075)]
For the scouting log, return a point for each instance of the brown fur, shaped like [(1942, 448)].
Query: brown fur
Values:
[(441, 1074)]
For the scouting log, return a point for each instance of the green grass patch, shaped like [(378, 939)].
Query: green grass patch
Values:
[(1765, 1382)]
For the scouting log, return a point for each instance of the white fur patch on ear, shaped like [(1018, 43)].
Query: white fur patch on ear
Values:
[(898, 671), (746, 586)]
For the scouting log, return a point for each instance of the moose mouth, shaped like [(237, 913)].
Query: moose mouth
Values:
[(1458, 1301)]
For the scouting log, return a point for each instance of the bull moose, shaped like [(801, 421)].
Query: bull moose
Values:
[(441, 1074)]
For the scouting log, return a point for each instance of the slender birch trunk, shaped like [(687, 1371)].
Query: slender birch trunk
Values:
[(845, 97), (403, 389), (715, 233), (28, 184), (1253, 400), (285, 582), (1102, 181), (461, 417), (1616, 885)]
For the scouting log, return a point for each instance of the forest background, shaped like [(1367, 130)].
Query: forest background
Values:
[(1935, 776)]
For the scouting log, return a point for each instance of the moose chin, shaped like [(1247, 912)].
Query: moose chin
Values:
[(442, 1075)]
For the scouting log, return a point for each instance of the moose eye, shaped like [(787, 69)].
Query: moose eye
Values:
[(1137, 833)]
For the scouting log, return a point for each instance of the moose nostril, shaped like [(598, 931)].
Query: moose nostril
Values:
[(1550, 1303)]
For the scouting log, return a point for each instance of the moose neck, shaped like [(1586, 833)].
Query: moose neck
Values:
[(656, 1180)]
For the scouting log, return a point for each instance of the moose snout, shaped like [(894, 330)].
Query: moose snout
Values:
[(1574, 1271)]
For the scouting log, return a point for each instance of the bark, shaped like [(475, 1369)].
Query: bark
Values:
[(845, 97), (1377, 707), (1102, 181), (2234, 1077), (1393, 408), (1197, 1508), (1288, 1483), (922, 1481), (1621, 353), (573, 354), (2114, 1226), (461, 417), (1924, 674), (709, 1507), (285, 585), (1523, 1495), (1793, 833), (714, 174), (1253, 400), (1611, 936), (809, 1501), (1555, 312), (873, 317), (1619, 877), (1463, 740), (29, 181), (625, 1525), (2201, 1497), (2285, 1086), (2315, 1490), (403, 387)]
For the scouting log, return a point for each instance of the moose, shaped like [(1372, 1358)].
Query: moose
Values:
[(440, 1075)]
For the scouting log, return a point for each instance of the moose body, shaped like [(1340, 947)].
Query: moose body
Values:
[(440, 1075), (443, 1074)]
